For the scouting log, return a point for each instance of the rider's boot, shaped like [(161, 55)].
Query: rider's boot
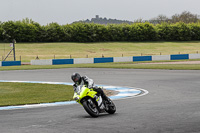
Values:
[(101, 92)]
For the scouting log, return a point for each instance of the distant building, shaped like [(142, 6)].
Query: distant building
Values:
[(97, 16), (104, 20)]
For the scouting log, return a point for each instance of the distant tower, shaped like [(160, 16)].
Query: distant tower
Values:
[(97, 16)]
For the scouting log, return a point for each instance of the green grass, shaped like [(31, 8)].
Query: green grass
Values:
[(29, 51), (29, 93)]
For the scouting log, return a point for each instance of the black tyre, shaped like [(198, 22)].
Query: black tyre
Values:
[(111, 107), (91, 108)]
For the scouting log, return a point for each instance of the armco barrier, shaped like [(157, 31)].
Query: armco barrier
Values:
[(123, 59), (114, 59), (160, 57), (83, 60), (62, 61), (194, 56), (180, 57), (41, 62), (103, 60), (10, 63), (142, 58)]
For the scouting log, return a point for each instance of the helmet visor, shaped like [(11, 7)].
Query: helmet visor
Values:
[(76, 79)]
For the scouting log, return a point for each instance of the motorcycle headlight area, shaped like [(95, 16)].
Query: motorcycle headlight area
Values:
[(78, 90)]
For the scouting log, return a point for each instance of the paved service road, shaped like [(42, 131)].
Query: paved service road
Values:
[(172, 105)]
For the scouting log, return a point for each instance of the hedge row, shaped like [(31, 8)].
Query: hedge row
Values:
[(30, 31)]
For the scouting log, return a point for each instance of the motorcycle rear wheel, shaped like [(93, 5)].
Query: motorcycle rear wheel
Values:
[(91, 108)]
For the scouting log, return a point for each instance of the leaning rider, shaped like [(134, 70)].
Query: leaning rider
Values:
[(84, 80)]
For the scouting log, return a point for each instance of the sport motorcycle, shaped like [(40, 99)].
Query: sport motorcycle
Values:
[(92, 102)]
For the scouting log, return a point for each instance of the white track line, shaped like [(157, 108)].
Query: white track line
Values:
[(124, 92)]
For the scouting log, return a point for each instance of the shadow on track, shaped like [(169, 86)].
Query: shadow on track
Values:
[(104, 115)]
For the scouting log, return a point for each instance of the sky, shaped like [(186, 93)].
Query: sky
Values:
[(68, 11)]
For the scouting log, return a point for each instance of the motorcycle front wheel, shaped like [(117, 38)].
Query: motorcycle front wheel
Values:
[(91, 107)]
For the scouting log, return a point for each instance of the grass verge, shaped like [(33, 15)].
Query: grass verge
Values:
[(29, 93), (32, 93), (29, 51)]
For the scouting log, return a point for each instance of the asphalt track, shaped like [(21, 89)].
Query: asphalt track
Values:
[(172, 105)]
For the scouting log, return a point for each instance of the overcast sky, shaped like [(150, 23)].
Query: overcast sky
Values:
[(68, 11)]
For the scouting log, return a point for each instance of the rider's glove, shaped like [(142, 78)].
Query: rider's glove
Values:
[(90, 87)]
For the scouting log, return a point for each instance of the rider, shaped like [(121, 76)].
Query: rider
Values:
[(84, 80)]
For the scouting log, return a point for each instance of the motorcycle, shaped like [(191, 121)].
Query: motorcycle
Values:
[(92, 102)]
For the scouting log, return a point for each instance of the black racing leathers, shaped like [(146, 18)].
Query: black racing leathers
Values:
[(90, 84)]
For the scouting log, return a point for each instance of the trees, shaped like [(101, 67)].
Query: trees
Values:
[(54, 32), (185, 17), (159, 19), (1, 32), (163, 29), (23, 31), (9, 32)]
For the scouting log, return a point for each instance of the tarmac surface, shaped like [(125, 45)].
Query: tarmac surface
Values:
[(171, 106)]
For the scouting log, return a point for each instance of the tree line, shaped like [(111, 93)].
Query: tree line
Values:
[(185, 16), (30, 31)]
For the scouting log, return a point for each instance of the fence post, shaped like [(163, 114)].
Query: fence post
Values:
[(14, 41)]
